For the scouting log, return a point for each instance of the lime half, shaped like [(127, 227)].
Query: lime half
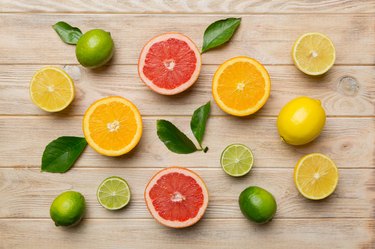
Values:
[(236, 160), (113, 193)]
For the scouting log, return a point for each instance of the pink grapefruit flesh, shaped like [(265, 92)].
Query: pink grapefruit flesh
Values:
[(169, 63), (176, 197)]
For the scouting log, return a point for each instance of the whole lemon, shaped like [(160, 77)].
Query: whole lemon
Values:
[(94, 48), (68, 208), (301, 120)]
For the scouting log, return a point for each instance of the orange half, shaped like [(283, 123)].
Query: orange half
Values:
[(112, 126), (241, 86)]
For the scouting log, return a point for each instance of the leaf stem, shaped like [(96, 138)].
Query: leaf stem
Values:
[(205, 149)]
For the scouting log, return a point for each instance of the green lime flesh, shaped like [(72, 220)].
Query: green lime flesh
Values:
[(95, 48), (68, 208), (257, 204), (237, 160), (113, 193)]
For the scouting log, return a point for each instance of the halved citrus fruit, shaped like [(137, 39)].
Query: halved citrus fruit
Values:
[(169, 63), (237, 160), (313, 53), (112, 126), (241, 86), (316, 176), (113, 193), (176, 197), (51, 89)]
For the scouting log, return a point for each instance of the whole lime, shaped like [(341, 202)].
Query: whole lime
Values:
[(68, 208), (257, 204), (94, 48), (301, 120)]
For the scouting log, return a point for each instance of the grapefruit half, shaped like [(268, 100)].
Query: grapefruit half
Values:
[(169, 63), (176, 197)]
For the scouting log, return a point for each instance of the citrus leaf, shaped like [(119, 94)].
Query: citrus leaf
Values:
[(173, 138), (67, 33), (199, 120), (219, 32), (60, 154)]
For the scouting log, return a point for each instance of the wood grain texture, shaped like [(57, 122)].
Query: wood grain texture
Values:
[(291, 234), (35, 192), (346, 220), (186, 6), (338, 97), (267, 38), (349, 142)]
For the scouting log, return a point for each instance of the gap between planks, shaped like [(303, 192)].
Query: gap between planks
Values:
[(204, 218)]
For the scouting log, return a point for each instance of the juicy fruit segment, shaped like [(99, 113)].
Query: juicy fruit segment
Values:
[(112, 126), (313, 53), (241, 86), (316, 176), (68, 208), (95, 48), (237, 160), (169, 63), (176, 197), (301, 120), (257, 204), (113, 193), (51, 89)]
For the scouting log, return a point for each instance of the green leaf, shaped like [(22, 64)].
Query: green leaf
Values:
[(219, 33), (199, 120), (173, 138), (67, 33), (60, 154)]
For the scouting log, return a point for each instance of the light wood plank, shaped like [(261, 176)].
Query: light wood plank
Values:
[(338, 97), (35, 191), (350, 142), (185, 6), (268, 38), (290, 234)]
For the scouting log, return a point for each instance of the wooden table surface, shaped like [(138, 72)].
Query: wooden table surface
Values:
[(267, 33)]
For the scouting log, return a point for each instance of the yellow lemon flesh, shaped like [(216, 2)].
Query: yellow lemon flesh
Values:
[(301, 121), (51, 89), (313, 53), (316, 176)]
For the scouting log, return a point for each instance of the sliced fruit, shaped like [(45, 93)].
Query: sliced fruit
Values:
[(316, 176), (236, 160), (51, 89), (176, 197), (241, 86), (313, 53), (112, 126), (113, 193), (169, 63)]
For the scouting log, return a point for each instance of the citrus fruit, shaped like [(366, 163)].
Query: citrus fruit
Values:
[(236, 160), (112, 126), (113, 193), (176, 197), (316, 176), (169, 63), (241, 86), (95, 48), (68, 208), (257, 204), (51, 89), (301, 120), (313, 53)]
